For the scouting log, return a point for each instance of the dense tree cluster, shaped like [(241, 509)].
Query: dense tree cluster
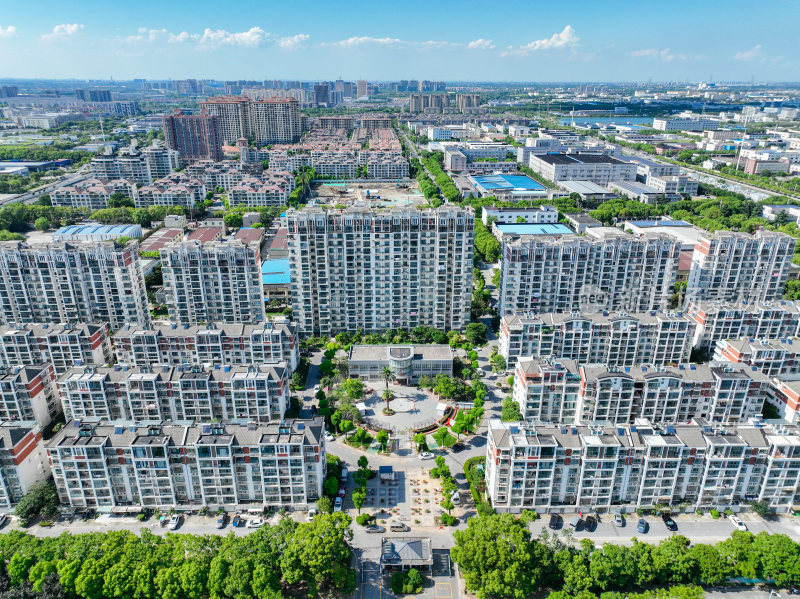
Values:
[(434, 161), (287, 558), (498, 558)]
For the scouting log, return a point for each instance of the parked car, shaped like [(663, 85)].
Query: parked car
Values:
[(255, 523), (222, 520), (591, 523), (316, 388), (736, 521), (455, 498), (576, 523), (555, 521), (426, 455), (342, 491), (175, 522), (337, 504), (237, 521), (311, 513), (344, 475), (329, 437), (618, 520), (374, 528), (399, 527), (643, 526), (669, 522)]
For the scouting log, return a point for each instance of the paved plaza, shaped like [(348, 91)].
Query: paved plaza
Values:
[(413, 408)]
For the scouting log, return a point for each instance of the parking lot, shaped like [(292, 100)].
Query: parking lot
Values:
[(440, 582)]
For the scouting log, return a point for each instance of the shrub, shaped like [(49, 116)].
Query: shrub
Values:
[(363, 519), (140, 517), (448, 520), (407, 582), (729, 512), (714, 514)]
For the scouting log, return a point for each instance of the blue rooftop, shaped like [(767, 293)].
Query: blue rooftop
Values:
[(275, 272), (533, 229), (508, 182)]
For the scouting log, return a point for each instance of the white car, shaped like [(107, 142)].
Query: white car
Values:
[(337, 504), (316, 388), (311, 513), (426, 455), (329, 437), (254, 523), (737, 522), (174, 522)]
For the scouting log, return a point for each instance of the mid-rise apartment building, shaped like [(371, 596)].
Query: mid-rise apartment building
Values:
[(160, 465), (216, 282), (773, 357), (559, 468), (194, 136), (718, 321), (177, 189), (29, 393), (256, 393), (616, 339), (62, 346), (565, 392), (597, 168), (137, 165), (92, 194), (222, 344), (375, 270), (72, 282), (546, 273), (233, 116), (728, 266), (23, 460)]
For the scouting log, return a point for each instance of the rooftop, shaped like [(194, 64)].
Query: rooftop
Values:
[(508, 182), (532, 229), (275, 272)]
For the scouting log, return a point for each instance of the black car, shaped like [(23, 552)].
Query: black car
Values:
[(669, 522), (555, 521), (591, 524)]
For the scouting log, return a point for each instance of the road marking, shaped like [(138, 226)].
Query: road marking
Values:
[(442, 586)]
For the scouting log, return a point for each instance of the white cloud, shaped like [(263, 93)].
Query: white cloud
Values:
[(293, 41), (146, 35), (480, 44), (9, 31), (751, 54), (352, 42), (250, 38), (557, 41), (62, 31), (665, 55)]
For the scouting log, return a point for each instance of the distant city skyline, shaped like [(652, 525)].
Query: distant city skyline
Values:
[(535, 41)]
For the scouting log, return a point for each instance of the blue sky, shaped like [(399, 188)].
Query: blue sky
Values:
[(526, 40)]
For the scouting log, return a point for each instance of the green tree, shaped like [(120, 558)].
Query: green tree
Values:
[(41, 224), (346, 426), (359, 497), (476, 333), (496, 277), (497, 558), (325, 505), (331, 486), (419, 441), (382, 437), (440, 436), (40, 500), (319, 554), (353, 388), (510, 411)]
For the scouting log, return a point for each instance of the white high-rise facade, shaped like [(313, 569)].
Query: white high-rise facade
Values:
[(368, 270), (72, 282), (215, 282)]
